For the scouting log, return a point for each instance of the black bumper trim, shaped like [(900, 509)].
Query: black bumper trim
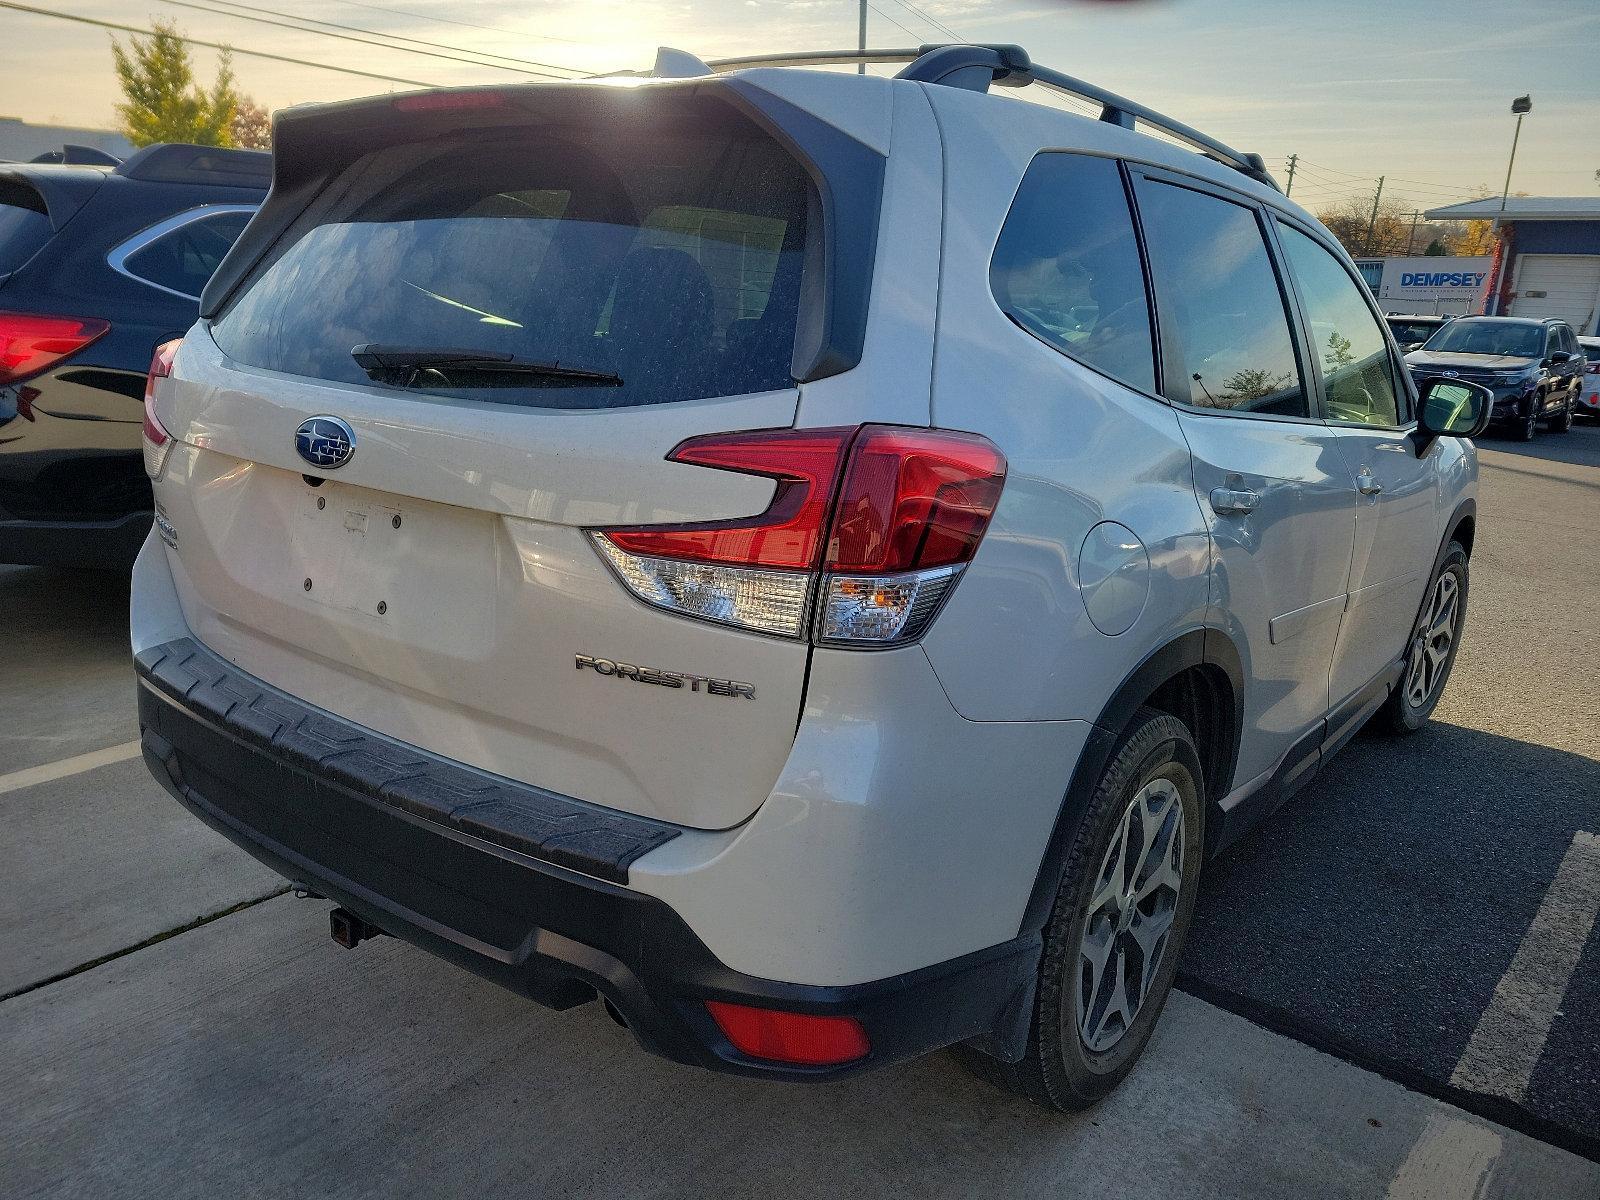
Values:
[(111, 544), (541, 928), (529, 820)]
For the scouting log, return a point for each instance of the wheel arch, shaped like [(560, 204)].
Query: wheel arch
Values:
[(1198, 677), (1462, 527)]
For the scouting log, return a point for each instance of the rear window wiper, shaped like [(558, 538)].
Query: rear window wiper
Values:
[(411, 366)]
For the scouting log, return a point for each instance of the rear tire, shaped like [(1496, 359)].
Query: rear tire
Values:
[(1562, 421), (1104, 936), (1431, 652)]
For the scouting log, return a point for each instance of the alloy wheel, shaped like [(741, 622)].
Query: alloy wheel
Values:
[(1430, 647), (1131, 914)]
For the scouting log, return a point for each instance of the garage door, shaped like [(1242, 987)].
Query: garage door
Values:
[(1559, 285)]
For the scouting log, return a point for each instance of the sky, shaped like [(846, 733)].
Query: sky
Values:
[(1419, 93)]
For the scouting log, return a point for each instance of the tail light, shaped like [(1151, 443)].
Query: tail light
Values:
[(157, 441), (30, 343), (797, 1038), (873, 523)]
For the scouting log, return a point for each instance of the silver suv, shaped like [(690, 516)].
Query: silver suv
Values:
[(814, 560)]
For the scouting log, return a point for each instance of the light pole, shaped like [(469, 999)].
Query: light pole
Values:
[(861, 40), (1520, 106)]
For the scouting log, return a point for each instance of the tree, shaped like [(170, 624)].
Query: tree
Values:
[(1435, 249), (1349, 219), (161, 102), (252, 125)]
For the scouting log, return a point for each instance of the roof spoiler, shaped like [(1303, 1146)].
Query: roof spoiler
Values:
[(57, 191), (77, 156), (178, 162)]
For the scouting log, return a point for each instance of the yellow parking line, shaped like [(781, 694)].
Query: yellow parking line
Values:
[(78, 763), (1505, 1047)]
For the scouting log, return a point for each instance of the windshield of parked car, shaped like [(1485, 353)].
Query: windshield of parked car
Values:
[(665, 262), (1488, 337)]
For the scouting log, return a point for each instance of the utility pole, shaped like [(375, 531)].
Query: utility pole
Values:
[(1294, 161), (1412, 236), (1372, 223), (861, 39), (1520, 107)]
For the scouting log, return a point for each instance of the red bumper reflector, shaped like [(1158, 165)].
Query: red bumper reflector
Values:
[(797, 1038)]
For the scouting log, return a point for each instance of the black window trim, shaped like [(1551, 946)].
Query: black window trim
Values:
[(1405, 387), (117, 257), (1168, 349)]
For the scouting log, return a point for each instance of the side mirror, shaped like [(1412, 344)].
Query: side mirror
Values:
[(1451, 408)]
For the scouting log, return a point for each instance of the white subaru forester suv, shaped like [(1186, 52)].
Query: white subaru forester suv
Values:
[(817, 561)]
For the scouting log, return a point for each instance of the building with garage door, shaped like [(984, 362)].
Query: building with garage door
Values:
[(1548, 262)]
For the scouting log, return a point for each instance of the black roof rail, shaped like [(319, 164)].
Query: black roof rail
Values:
[(976, 67), (178, 162)]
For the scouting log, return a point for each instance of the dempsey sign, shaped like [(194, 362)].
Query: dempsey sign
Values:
[(1452, 281)]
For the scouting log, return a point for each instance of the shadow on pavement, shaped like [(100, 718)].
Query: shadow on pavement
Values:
[(1375, 913)]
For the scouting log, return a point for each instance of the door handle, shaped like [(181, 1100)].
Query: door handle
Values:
[(1367, 484), (1233, 502)]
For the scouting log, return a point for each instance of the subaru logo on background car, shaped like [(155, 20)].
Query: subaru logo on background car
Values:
[(325, 442), (1449, 374)]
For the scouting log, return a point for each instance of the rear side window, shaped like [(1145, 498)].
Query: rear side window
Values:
[(1066, 267), (1357, 375), (23, 231), (664, 264), (182, 259), (1216, 290)]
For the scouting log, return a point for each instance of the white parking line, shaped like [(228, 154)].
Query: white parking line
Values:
[(1505, 1047), (1453, 1157), (78, 763)]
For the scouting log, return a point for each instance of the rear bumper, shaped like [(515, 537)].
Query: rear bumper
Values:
[(105, 545), (517, 885)]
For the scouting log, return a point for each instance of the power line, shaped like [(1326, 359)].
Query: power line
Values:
[(189, 41), (526, 62), (345, 37), (543, 37), (932, 21)]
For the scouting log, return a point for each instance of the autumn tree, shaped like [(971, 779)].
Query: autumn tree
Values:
[(161, 101), (252, 125)]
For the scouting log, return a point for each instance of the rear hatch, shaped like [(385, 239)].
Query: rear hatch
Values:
[(555, 288)]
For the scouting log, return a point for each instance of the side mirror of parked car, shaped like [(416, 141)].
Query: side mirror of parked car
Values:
[(1451, 408)]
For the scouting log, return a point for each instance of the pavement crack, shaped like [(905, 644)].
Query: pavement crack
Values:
[(154, 939)]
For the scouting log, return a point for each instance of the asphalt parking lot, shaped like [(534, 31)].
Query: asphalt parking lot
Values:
[(1392, 988)]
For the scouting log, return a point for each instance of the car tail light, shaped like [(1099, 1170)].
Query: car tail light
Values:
[(157, 441), (30, 343), (877, 520), (797, 1038)]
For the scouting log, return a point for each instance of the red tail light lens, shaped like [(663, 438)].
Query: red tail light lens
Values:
[(914, 499), (796, 1038), (30, 343), (788, 536), (156, 437), (890, 514)]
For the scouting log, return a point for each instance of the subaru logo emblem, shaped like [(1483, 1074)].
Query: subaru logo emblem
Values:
[(325, 442), (1450, 374)]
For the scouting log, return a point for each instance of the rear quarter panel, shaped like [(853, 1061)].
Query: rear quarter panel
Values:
[(1016, 641)]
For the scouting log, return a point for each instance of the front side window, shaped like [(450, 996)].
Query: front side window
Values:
[(183, 259), (1066, 267), (1217, 291), (657, 264), (1357, 374)]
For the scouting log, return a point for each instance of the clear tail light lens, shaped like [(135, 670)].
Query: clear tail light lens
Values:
[(30, 343), (877, 521), (157, 441)]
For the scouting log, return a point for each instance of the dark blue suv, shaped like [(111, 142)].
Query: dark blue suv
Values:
[(98, 267)]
